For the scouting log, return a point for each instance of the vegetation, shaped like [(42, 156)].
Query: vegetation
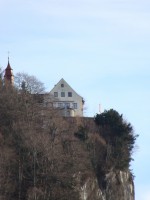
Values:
[(39, 154), (29, 83), (42, 153), (119, 138)]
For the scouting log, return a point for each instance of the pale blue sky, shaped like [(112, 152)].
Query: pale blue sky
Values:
[(100, 47)]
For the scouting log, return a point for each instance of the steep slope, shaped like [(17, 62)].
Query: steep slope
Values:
[(117, 186)]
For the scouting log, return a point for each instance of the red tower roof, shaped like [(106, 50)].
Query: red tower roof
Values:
[(8, 72)]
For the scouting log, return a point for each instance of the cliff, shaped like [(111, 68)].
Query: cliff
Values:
[(116, 186), (46, 156)]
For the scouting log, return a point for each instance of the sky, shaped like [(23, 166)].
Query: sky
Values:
[(100, 47)]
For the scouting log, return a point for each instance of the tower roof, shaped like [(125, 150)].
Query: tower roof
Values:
[(8, 65), (8, 72)]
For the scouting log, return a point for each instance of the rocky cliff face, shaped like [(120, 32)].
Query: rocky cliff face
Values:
[(115, 186)]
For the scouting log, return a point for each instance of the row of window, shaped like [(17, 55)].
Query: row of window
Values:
[(63, 94), (66, 105)]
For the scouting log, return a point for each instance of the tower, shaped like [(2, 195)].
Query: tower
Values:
[(9, 77)]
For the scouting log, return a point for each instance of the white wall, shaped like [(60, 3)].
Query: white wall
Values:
[(67, 101)]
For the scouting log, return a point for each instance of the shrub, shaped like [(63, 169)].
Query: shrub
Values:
[(119, 137)]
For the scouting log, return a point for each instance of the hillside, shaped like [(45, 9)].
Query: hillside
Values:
[(46, 156)]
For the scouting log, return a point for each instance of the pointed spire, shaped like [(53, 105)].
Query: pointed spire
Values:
[(8, 65), (9, 78)]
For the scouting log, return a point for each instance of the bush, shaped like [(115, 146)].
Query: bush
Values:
[(119, 137)]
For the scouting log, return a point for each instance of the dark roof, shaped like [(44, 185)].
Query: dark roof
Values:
[(8, 71), (8, 66)]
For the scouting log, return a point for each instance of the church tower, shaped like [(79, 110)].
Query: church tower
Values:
[(9, 77)]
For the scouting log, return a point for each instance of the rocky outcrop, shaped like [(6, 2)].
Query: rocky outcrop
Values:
[(116, 186)]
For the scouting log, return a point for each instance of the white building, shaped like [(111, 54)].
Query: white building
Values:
[(67, 100)]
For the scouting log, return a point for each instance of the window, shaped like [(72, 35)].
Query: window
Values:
[(60, 105), (69, 94), (62, 85), (67, 105), (75, 105), (62, 94), (55, 94)]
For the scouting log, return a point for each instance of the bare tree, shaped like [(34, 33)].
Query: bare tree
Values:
[(29, 83), (46, 154)]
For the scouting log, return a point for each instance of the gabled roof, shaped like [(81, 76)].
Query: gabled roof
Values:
[(62, 81)]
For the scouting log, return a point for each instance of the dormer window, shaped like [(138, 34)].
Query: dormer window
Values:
[(62, 85)]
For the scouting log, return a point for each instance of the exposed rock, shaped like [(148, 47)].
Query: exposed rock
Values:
[(118, 186)]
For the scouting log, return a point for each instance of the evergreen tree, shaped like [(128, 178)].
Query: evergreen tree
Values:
[(119, 137)]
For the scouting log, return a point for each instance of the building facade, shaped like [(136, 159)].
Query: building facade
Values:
[(67, 100)]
